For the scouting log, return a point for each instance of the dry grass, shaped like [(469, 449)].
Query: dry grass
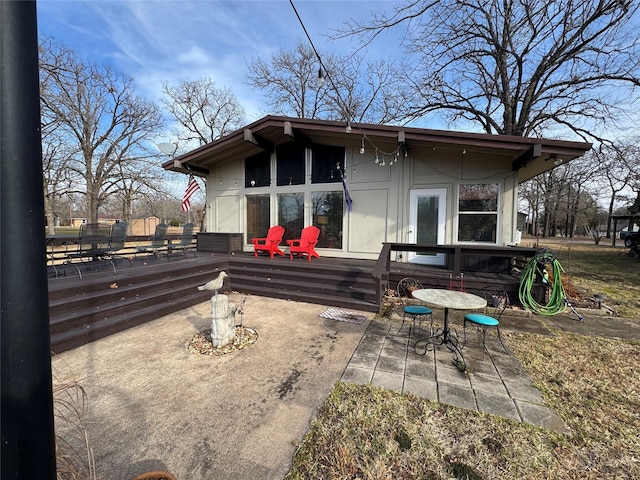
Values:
[(364, 432), (74, 457)]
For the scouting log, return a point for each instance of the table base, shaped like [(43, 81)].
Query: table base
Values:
[(444, 337)]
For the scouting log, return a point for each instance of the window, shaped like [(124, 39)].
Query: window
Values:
[(290, 164), (258, 216), (478, 212), (257, 170), (324, 163), (291, 214), (327, 216)]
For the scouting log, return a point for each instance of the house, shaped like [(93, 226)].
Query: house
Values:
[(102, 218), (365, 184)]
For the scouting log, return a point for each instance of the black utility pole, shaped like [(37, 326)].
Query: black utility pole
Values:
[(28, 443)]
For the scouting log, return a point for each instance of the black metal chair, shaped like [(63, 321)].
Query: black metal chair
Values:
[(157, 242), (417, 312), (186, 242), (92, 246), (117, 242), (497, 301)]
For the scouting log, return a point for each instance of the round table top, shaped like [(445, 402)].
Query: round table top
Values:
[(450, 298)]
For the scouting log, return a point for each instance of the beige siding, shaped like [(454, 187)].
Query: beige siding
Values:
[(368, 225)]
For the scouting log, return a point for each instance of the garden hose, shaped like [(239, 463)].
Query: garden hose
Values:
[(557, 296)]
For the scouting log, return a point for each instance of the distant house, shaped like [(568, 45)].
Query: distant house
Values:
[(102, 218), (369, 184)]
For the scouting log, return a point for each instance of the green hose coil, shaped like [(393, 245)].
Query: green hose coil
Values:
[(557, 296)]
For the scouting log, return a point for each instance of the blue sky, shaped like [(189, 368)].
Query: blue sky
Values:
[(156, 41)]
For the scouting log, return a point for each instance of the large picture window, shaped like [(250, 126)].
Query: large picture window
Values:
[(258, 216), (478, 212), (291, 214), (327, 216)]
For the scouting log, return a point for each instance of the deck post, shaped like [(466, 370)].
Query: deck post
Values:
[(28, 442)]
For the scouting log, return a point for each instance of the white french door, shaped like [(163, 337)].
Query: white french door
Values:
[(427, 220)]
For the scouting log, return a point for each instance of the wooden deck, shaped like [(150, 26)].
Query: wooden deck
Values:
[(103, 303)]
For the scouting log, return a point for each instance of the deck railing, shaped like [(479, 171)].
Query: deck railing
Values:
[(508, 258)]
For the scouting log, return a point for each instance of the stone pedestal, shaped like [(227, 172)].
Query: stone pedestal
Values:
[(223, 320)]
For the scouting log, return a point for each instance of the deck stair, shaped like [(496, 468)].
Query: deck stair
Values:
[(101, 304), (339, 283)]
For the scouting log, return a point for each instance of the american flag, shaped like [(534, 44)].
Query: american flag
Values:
[(192, 188)]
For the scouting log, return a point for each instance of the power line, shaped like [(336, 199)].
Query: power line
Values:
[(343, 104)]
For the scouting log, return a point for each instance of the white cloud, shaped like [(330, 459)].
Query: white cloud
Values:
[(170, 41)]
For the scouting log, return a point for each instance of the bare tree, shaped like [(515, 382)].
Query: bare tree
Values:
[(517, 67), (136, 179), (99, 114), (57, 176), (619, 167), (295, 83), (299, 83), (204, 112)]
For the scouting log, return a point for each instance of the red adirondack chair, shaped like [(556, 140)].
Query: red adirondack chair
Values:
[(270, 243), (306, 243)]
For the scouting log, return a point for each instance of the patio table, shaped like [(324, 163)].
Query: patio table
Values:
[(448, 299)]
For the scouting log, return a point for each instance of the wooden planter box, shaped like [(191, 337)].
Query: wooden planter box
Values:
[(216, 242)]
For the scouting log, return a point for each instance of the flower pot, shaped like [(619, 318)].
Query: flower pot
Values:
[(155, 475)]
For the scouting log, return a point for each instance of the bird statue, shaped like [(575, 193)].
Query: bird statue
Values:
[(214, 285)]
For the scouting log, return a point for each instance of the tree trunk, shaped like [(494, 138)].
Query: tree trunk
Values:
[(48, 211)]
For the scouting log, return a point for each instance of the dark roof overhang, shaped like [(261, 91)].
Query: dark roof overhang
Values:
[(528, 156)]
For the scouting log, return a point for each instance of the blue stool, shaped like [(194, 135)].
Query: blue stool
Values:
[(497, 301)]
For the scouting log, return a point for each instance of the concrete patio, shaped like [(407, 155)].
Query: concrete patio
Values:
[(494, 383)]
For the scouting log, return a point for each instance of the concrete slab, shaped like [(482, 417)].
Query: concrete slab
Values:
[(364, 360), (499, 405), (388, 381), (153, 405), (353, 374), (525, 391), (488, 384), (541, 416), (462, 397), (421, 387), (451, 375), (391, 365), (421, 368)]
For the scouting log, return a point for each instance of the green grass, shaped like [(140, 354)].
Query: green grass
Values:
[(364, 432), (67, 230)]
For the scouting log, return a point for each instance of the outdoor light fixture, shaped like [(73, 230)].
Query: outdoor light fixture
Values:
[(362, 147), (320, 77), (348, 128)]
